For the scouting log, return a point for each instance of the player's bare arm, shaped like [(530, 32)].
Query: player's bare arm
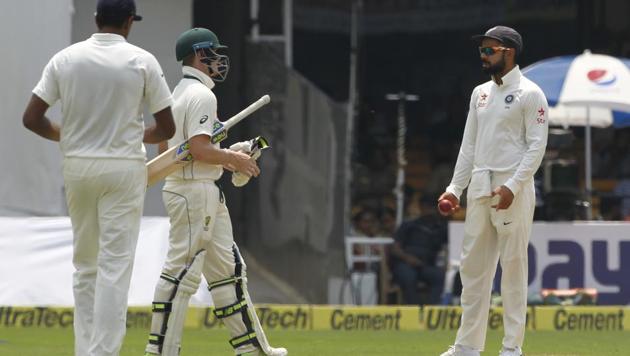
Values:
[(162, 147), (202, 150), (34, 119), (163, 129)]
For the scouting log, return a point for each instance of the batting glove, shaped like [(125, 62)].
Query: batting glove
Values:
[(254, 149)]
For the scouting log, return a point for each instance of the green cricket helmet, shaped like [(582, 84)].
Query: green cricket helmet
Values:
[(204, 43)]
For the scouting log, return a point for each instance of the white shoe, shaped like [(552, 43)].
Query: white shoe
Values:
[(273, 351), (506, 351), (460, 350), (276, 351)]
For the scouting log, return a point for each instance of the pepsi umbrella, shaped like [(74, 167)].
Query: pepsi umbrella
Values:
[(585, 90)]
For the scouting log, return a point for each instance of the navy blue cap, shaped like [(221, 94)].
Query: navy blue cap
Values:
[(115, 8), (506, 35)]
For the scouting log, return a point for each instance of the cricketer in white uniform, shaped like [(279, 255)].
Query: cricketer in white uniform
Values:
[(200, 239), (103, 84), (503, 145)]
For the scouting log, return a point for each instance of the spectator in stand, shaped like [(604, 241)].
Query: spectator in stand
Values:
[(387, 219), (414, 252), (364, 224)]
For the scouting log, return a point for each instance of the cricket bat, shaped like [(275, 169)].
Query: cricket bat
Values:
[(179, 155)]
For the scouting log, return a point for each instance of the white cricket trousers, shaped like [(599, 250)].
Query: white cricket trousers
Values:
[(105, 199), (199, 219), (491, 236)]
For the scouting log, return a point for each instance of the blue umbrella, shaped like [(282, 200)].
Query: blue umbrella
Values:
[(599, 85)]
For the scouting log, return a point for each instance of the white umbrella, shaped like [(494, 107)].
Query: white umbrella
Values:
[(585, 90), (565, 116)]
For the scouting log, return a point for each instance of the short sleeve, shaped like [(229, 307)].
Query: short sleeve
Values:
[(201, 114), (48, 87), (157, 94)]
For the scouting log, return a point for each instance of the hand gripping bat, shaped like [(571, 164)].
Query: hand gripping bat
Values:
[(179, 155)]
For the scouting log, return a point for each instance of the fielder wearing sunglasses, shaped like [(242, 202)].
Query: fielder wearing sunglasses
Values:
[(488, 51), (502, 147)]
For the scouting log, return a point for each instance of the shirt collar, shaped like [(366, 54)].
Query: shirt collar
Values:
[(513, 76), (203, 77), (111, 37)]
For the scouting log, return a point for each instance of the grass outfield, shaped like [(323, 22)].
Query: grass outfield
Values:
[(52, 342)]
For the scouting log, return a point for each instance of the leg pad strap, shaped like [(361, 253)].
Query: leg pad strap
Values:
[(156, 339), (247, 338), (162, 307), (223, 282), (230, 309)]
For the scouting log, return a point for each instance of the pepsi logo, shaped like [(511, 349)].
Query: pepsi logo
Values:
[(601, 77)]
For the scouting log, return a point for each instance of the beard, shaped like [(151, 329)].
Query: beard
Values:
[(496, 68)]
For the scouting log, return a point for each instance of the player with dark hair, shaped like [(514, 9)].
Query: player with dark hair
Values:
[(504, 142), (103, 84)]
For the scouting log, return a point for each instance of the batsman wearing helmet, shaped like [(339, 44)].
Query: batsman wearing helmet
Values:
[(200, 239), (504, 142)]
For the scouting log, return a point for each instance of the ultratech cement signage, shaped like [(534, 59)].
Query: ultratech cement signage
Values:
[(35, 317), (449, 318), (583, 318), (342, 318), (272, 317), (326, 317), (365, 318)]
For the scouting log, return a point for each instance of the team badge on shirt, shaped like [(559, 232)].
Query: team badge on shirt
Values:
[(203, 119), (509, 99), (482, 100)]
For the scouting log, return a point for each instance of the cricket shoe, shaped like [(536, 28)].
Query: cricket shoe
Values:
[(459, 350), (506, 351), (273, 351)]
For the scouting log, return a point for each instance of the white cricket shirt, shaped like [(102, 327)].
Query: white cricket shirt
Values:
[(103, 84), (195, 112), (505, 134)]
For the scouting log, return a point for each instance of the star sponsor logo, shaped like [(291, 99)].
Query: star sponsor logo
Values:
[(541, 116), (601, 77)]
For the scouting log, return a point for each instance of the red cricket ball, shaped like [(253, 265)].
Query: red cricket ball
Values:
[(445, 206)]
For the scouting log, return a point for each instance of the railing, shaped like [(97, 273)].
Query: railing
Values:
[(368, 256)]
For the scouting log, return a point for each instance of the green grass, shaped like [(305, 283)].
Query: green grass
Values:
[(52, 342)]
